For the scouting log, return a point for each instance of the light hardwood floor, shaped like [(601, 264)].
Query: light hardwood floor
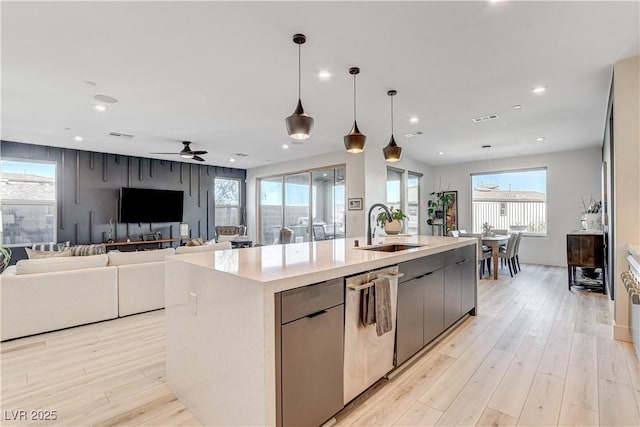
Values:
[(535, 355)]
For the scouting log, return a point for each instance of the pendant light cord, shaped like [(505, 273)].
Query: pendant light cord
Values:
[(299, 72), (354, 97), (391, 115)]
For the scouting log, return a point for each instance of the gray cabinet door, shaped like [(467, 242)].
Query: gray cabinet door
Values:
[(312, 364), (468, 293), (409, 319), (433, 305), (452, 285)]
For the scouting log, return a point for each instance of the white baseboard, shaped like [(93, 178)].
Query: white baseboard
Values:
[(543, 261), (621, 332)]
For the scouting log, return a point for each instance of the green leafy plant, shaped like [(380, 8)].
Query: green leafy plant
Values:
[(396, 215), (5, 257), (437, 202)]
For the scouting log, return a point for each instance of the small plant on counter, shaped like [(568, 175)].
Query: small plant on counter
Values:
[(396, 215)]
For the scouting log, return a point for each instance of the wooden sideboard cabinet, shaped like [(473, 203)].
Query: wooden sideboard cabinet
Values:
[(585, 249)]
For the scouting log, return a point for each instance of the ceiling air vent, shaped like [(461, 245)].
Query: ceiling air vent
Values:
[(241, 155), (121, 135), (413, 134), (486, 118)]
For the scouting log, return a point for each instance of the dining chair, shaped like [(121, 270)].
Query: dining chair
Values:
[(318, 232), (286, 236), (484, 253), (508, 254), (516, 250)]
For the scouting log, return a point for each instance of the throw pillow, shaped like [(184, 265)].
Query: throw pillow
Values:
[(195, 242), (33, 254), (84, 250)]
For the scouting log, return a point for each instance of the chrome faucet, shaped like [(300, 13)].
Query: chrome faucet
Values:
[(387, 211)]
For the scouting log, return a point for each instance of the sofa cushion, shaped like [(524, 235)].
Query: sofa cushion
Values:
[(34, 254), (203, 248), (84, 250), (47, 265), (139, 257)]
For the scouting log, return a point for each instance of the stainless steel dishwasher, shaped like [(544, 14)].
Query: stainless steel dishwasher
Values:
[(367, 356), (309, 353)]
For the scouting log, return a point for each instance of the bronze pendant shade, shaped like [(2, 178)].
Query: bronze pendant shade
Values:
[(392, 152), (299, 124), (354, 141)]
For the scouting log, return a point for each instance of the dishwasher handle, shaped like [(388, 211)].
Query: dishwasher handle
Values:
[(316, 314)]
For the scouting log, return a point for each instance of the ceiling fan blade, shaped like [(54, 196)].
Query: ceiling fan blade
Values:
[(198, 158), (199, 152), (166, 153)]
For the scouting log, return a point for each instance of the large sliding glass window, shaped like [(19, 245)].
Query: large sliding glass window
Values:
[(227, 201), (311, 204), (512, 201), (395, 193), (413, 203), (28, 202)]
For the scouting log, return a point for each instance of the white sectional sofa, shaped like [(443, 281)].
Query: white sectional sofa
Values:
[(54, 293), (42, 295), (140, 280)]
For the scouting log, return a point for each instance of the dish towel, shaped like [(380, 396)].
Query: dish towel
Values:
[(382, 304), (367, 307)]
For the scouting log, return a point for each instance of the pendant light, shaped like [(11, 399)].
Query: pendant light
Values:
[(299, 125), (392, 152), (354, 142)]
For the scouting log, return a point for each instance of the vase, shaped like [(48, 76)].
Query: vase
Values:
[(593, 222), (393, 227)]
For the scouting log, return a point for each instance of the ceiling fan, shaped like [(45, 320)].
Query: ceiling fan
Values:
[(188, 153)]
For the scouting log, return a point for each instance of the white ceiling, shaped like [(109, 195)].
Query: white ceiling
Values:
[(223, 75)]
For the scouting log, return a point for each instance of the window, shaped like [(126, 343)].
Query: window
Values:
[(513, 201), (227, 201), (394, 188), (309, 203), (413, 203), (28, 201)]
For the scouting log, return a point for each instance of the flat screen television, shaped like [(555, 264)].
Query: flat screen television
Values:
[(147, 205)]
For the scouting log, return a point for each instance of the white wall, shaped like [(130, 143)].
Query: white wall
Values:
[(365, 176), (626, 193), (570, 175)]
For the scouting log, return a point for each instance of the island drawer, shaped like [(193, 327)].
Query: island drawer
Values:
[(301, 302), (420, 267), (458, 255)]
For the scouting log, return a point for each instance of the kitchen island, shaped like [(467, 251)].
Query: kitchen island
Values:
[(224, 310)]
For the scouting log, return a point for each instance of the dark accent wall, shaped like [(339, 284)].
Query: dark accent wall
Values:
[(88, 188)]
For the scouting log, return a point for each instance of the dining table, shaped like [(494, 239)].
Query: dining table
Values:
[(494, 243)]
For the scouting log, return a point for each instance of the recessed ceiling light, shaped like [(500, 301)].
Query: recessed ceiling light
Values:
[(414, 119), (232, 160), (539, 89), (517, 107), (324, 75), (324, 174), (285, 146), (100, 107), (541, 138), (494, 1), (105, 98), (440, 153), (78, 138)]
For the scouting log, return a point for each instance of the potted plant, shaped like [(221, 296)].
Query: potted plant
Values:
[(5, 258), (591, 215), (395, 226), (436, 206)]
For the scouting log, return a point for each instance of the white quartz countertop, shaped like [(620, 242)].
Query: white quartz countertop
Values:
[(295, 264)]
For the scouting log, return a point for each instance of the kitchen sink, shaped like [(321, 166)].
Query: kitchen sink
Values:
[(394, 247)]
